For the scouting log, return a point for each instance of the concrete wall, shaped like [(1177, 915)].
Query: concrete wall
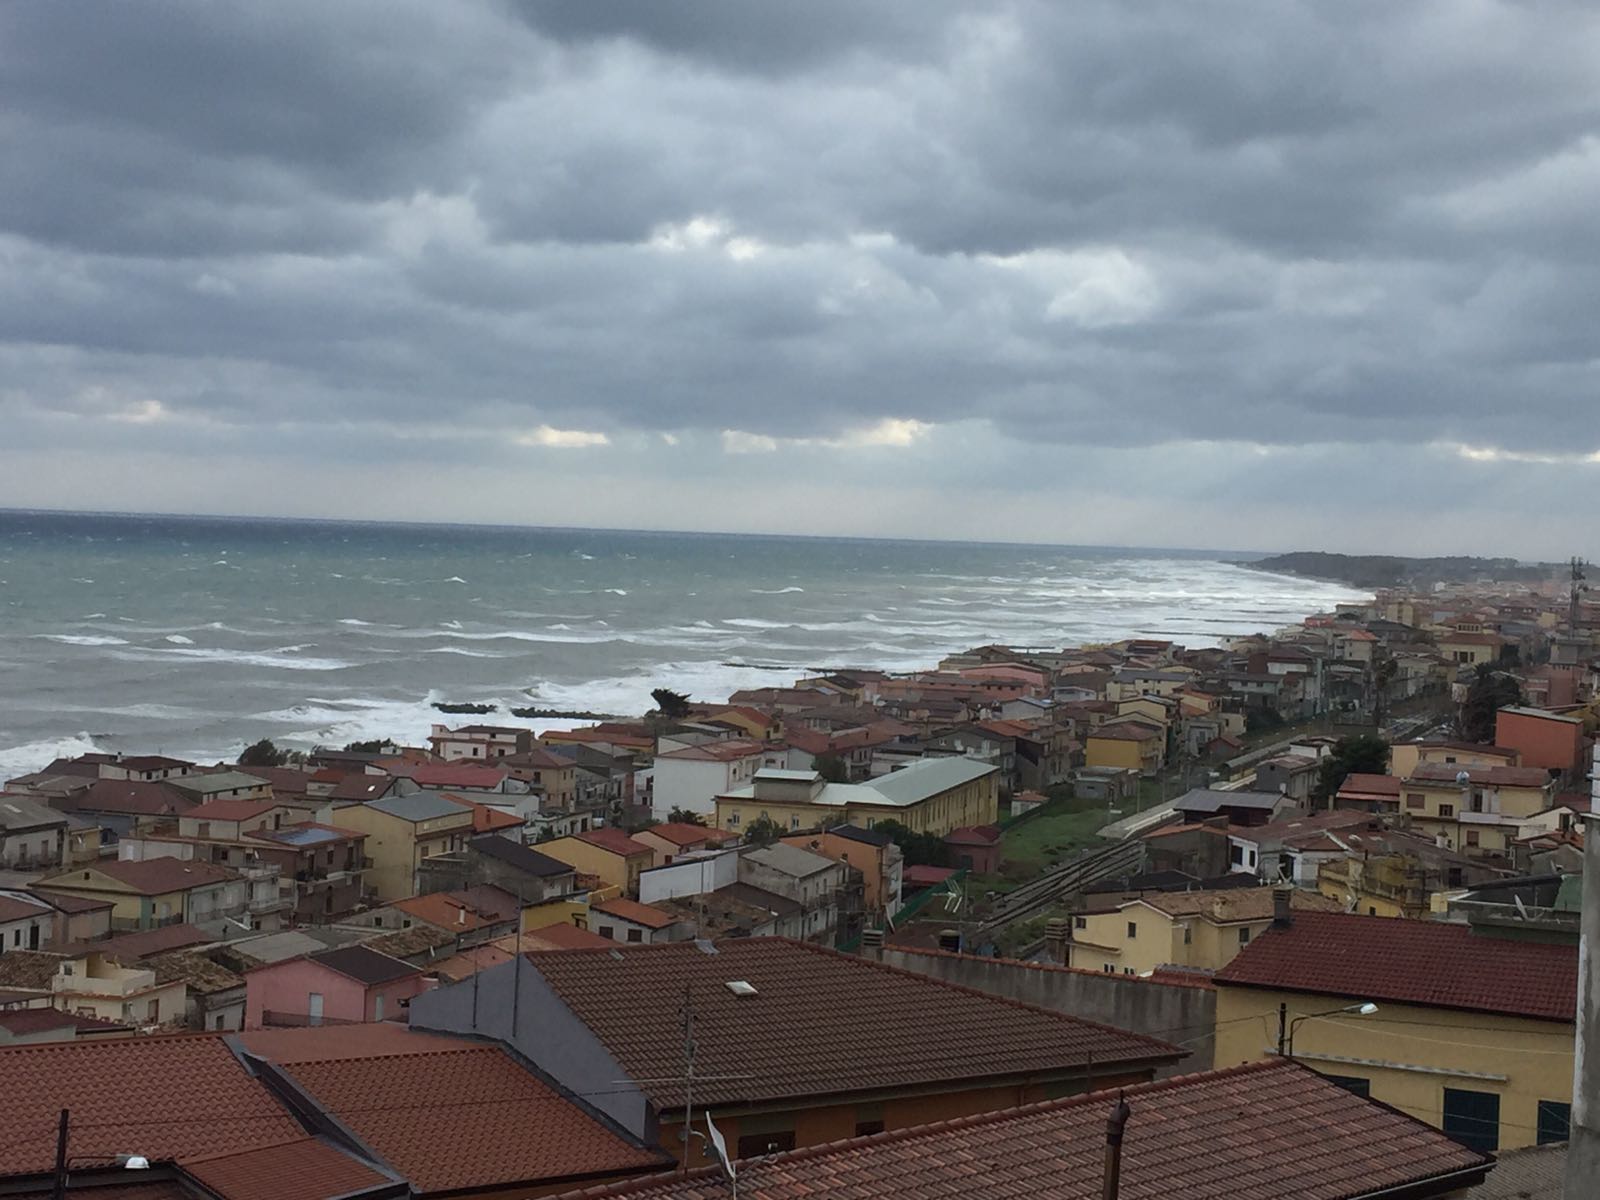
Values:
[(1171, 1012), (689, 877), (512, 1002)]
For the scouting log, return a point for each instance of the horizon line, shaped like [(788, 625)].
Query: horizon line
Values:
[(6, 510)]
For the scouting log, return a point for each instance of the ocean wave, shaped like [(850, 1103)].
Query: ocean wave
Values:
[(35, 756), (276, 660), (783, 591), (178, 639), (82, 639)]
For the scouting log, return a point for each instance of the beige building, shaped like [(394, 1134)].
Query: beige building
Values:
[(934, 795), (401, 831), (1477, 810), (95, 985), (1471, 1033), (1202, 929)]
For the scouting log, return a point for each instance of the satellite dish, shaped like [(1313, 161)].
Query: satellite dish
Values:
[(720, 1145)]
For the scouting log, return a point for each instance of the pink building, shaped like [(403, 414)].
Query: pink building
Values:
[(344, 985)]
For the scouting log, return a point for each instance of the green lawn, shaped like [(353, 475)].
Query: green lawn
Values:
[(1059, 829)]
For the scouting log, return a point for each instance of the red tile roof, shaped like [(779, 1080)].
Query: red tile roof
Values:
[(564, 937), (1257, 1132), (462, 775), (820, 1023), (375, 1039), (684, 834), (306, 1168), (446, 910), (468, 1117), (615, 841), (163, 1097), (1431, 963), (12, 909), (1373, 785), (926, 876), (974, 835), (150, 877), (730, 750), (130, 797), (632, 910), (1532, 777)]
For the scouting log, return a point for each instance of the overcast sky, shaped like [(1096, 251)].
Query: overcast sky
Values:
[(1288, 275)]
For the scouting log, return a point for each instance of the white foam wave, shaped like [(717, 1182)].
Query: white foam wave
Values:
[(276, 659), (453, 579), (178, 639), (617, 591), (33, 756), (783, 591), (82, 639)]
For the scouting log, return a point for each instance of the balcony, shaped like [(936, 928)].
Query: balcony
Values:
[(89, 977)]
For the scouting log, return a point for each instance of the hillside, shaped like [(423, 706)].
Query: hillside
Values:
[(1382, 570)]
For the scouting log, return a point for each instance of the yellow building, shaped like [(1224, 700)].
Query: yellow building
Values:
[(1470, 1033), (934, 796), (401, 832), (608, 854), (1186, 929), (1470, 649), (1130, 746), (154, 892), (1477, 810)]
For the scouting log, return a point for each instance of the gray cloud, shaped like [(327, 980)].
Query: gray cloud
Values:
[(316, 231)]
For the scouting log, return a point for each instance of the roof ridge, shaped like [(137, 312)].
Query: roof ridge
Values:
[(1021, 964)]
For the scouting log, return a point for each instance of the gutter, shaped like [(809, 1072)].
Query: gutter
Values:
[(1426, 1189)]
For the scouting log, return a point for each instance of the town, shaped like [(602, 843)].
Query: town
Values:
[(1312, 896)]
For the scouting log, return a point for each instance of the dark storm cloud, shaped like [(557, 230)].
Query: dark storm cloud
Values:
[(1085, 225)]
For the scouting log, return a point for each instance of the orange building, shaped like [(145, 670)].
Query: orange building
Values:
[(1541, 739)]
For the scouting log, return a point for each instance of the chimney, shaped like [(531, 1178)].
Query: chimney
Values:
[(1055, 939), (1282, 918), (1118, 1122), (950, 939), (872, 944)]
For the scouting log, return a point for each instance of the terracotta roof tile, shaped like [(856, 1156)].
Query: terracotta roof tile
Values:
[(1235, 904), (1528, 777), (306, 1168), (681, 833), (1256, 1132), (173, 1097), (615, 841), (231, 810), (150, 877), (1432, 963), (819, 1023), (632, 910), (468, 1117)]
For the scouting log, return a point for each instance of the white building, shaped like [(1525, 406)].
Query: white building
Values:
[(693, 778)]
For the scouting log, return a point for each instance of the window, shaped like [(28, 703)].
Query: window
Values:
[(1188, 935), (1133, 929), (377, 1007), (636, 935), (1127, 970), (152, 1012), (1415, 800), (1080, 922), (1372, 910), (1236, 853), (1555, 1121), (1352, 1083), (1473, 1119), (607, 931), (218, 1022), (1110, 968), (1472, 837), (733, 819), (1447, 810), (1244, 935)]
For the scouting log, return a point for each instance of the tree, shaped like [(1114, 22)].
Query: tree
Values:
[(919, 849), (685, 816), (763, 831), (372, 747), (831, 767), (1491, 691), (670, 704), (1362, 754), (262, 754)]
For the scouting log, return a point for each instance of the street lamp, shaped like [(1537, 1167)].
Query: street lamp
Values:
[(1286, 1035)]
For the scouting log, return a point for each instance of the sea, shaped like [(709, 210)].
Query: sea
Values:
[(194, 636)]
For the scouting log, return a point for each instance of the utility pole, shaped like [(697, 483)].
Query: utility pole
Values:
[(58, 1190)]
